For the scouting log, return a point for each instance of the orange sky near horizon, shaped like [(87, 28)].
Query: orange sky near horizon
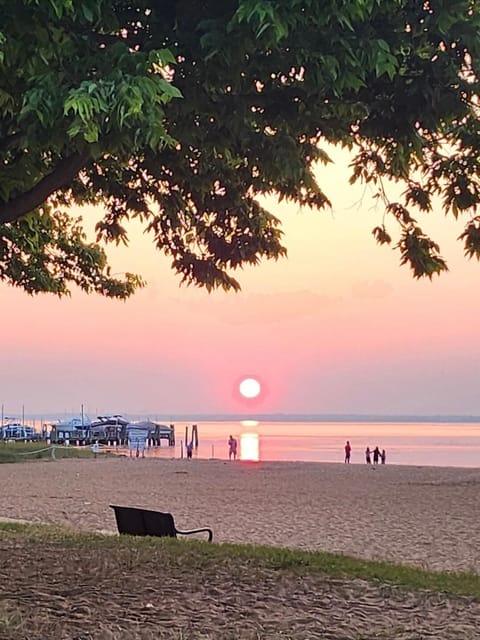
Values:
[(337, 327)]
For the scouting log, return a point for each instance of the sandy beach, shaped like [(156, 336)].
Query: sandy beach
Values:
[(423, 516)]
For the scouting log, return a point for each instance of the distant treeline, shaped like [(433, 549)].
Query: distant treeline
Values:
[(289, 417)]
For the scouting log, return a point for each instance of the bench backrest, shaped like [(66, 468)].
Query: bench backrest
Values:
[(143, 522)]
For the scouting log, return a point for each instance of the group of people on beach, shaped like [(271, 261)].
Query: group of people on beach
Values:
[(375, 454)]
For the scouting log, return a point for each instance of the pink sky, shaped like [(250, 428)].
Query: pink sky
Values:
[(337, 327)]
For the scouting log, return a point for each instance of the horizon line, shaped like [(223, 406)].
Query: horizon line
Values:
[(280, 416)]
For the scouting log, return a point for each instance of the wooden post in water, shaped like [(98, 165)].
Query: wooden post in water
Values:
[(195, 435)]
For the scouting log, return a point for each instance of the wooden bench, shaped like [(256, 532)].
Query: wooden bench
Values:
[(134, 521)]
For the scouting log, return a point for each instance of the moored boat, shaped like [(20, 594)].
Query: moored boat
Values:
[(17, 431)]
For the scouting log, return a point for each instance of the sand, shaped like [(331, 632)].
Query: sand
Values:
[(423, 516)]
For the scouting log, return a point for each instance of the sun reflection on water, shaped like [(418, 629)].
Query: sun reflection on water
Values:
[(250, 423), (249, 447)]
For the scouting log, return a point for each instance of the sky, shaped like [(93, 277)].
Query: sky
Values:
[(338, 327)]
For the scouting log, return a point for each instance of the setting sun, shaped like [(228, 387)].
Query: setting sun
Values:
[(250, 388)]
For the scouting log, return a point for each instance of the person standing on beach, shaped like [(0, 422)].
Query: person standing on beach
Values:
[(367, 456), (383, 456), (376, 455), (348, 450), (232, 448)]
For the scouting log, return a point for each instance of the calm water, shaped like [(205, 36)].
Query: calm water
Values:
[(433, 444)]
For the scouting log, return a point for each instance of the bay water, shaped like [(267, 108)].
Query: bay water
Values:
[(406, 443)]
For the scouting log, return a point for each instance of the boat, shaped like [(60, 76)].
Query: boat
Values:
[(17, 431), (155, 430), (113, 420), (74, 424), (66, 431), (109, 428)]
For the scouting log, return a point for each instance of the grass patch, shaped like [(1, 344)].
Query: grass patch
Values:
[(199, 555), (9, 620), (25, 451)]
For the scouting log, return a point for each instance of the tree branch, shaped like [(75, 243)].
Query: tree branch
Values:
[(63, 174)]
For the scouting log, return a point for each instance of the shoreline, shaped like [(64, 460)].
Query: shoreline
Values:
[(420, 515), (164, 453)]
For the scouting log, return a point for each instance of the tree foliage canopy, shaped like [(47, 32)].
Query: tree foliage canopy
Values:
[(182, 112)]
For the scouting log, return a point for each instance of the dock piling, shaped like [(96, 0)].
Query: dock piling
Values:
[(195, 435)]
